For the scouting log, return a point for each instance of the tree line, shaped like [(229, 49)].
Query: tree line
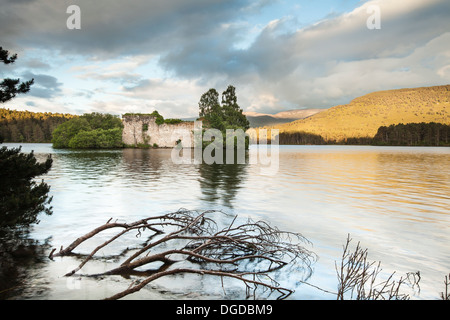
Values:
[(306, 138), (91, 130), (32, 127), (411, 134)]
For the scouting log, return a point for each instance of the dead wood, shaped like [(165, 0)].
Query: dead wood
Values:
[(445, 295), (251, 252), (359, 278)]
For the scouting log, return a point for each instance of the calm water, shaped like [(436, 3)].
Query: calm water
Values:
[(395, 201)]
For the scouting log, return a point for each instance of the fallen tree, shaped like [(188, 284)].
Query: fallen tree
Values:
[(188, 242)]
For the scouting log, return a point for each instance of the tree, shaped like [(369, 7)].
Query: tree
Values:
[(103, 121), (65, 132), (210, 109), (21, 198), (226, 116), (89, 131), (222, 117), (9, 88), (186, 242), (233, 115), (97, 139)]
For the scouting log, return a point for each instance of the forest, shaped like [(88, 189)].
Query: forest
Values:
[(26, 126), (93, 130), (411, 134), (306, 138)]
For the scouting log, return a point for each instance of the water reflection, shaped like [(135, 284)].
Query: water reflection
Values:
[(383, 181), (394, 200), (20, 257), (153, 170), (222, 182), (406, 183), (143, 163), (87, 165)]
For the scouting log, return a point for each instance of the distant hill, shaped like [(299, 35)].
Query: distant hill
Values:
[(364, 115), (263, 119)]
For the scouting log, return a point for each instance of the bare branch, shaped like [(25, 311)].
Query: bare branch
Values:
[(251, 252), (446, 294), (360, 277)]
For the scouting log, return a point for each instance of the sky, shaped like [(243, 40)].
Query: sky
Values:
[(144, 55)]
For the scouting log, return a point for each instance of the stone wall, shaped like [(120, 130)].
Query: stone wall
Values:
[(143, 129)]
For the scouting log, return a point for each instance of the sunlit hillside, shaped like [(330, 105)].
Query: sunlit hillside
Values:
[(364, 115)]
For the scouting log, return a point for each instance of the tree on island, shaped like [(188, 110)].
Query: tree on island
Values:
[(233, 116), (89, 131), (225, 116), (21, 197), (210, 110)]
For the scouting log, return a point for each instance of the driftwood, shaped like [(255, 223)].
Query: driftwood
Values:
[(251, 252)]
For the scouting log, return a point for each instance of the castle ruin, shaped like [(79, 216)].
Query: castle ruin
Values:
[(142, 129)]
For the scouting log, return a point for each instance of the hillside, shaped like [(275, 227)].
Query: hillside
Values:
[(263, 119), (26, 126), (364, 115)]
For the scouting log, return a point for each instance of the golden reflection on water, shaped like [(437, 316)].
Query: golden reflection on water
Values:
[(399, 182), (396, 201)]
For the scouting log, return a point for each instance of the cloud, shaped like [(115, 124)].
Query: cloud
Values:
[(165, 54), (124, 71), (170, 97), (111, 28), (338, 59), (329, 62), (44, 86), (34, 63)]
